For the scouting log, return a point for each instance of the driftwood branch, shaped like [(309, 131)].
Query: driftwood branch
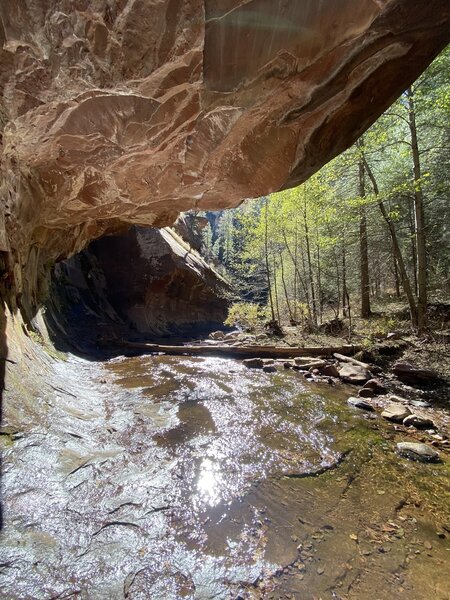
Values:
[(240, 351)]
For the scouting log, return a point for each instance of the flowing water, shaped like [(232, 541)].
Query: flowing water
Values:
[(161, 478)]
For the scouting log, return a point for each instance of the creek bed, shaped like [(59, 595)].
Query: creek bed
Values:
[(160, 477)]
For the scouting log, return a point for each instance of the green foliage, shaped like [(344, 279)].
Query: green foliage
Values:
[(245, 314), (302, 246)]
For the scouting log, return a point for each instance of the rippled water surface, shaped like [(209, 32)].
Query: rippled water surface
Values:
[(166, 477)]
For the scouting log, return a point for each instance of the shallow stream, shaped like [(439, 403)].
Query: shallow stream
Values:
[(161, 478)]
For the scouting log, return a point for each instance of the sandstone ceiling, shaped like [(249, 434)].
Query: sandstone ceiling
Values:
[(130, 111)]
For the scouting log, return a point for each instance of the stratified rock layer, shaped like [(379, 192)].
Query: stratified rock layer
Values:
[(130, 111)]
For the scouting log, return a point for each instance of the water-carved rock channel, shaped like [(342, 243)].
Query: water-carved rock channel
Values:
[(165, 477)]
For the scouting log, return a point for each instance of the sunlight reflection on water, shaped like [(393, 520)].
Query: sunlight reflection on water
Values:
[(209, 482)]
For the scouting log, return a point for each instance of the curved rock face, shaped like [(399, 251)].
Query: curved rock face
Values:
[(143, 282), (130, 111)]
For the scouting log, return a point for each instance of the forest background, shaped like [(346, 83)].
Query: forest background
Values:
[(367, 235)]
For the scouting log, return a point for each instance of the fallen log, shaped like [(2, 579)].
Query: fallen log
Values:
[(239, 351), (351, 360)]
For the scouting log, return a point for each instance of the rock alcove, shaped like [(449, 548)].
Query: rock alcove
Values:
[(115, 117), (127, 113)]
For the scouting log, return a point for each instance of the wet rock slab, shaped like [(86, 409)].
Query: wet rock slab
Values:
[(199, 478)]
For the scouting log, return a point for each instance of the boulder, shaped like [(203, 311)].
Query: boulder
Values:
[(376, 385), (269, 368), (412, 374), (396, 413), (329, 370), (418, 422), (418, 451), (359, 403), (253, 363), (366, 393), (351, 373)]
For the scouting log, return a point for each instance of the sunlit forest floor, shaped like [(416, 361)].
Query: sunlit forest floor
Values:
[(388, 324)]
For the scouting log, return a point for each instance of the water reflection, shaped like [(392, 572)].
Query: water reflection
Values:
[(209, 482)]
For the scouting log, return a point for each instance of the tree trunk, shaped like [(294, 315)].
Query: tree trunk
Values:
[(275, 289), (319, 283), (295, 271), (395, 245), (266, 253), (396, 277), (422, 299), (344, 283), (291, 316), (300, 278), (310, 270), (412, 229), (363, 247)]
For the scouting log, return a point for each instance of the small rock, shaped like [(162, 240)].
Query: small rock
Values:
[(396, 413), (253, 363), (269, 369), (217, 335), (417, 451), (418, 422), (288, 364), (229, 336), (312, 364), (393, 398), (305, 360), (420, 404), (320, 571), (359, 403), (354, 374), (376, 385), (330, 371), (366, 393)]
